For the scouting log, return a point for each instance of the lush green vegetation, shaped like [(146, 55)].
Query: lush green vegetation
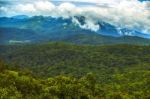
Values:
[(59, 58), (66, 71), (22, 85)]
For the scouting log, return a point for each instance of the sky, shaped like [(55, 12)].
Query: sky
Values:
[(132, 14)]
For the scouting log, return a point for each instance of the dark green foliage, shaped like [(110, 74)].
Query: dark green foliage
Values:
[(58, 58), (66, 71), (3, 66), (130, 85)]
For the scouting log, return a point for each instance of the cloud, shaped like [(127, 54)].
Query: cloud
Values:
[(34, 8), (131, 14)]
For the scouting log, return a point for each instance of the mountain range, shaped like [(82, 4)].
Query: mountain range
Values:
[(37, 29)]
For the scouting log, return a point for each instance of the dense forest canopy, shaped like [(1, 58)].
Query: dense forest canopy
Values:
[(66, 71)]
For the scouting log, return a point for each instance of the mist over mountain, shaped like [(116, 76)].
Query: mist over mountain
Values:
[(131, 14), (59, 20), (35, 29)]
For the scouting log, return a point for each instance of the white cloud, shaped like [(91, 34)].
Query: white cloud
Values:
[(44, 5), (66, 10), (89, 24), (131, 14), (25, 8)]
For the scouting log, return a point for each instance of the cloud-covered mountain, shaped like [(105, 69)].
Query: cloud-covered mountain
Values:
[(55, 20), (131, 14), (24, 29)]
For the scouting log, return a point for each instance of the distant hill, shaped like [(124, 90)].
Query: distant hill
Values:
[(96, 39), (15, 36), (20, 17), (39, 29)]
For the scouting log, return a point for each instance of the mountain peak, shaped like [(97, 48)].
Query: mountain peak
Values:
[(20, 17)]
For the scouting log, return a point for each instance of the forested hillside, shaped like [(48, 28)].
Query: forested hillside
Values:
[(62, 58), (133, 84), (66, 71)]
